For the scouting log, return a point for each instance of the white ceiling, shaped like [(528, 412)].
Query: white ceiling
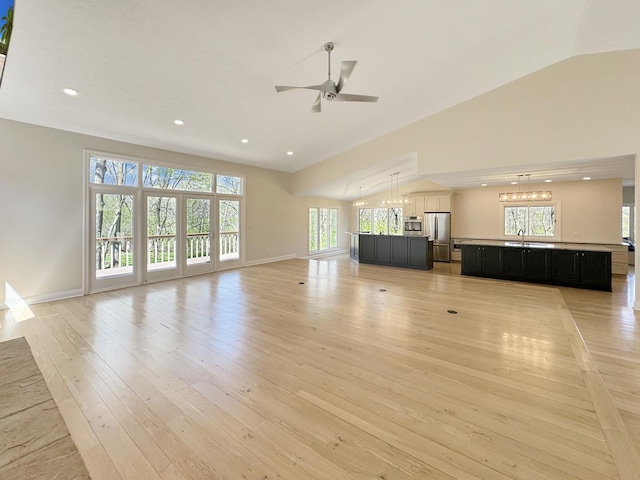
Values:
[(139, 65)]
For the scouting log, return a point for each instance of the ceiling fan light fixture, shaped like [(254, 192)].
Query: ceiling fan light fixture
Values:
[(329, 90)]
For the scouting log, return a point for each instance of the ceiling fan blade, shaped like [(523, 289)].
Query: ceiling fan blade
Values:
[(316, 105), (345, 72), (322, 88), (347, 97)]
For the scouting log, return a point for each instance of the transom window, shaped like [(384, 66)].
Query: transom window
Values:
[(152, 222), (175, 179), (229, 185)]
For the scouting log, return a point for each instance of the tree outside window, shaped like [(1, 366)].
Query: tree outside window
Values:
[(381, 221), (626, 221), (364, 217), (532, 220), (323, 229)]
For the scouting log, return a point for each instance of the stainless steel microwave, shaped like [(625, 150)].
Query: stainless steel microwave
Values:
[(413, 225)]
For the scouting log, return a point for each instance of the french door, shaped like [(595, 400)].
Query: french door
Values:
[(179, 238), (114, 249), (139, 235), (157, 222)]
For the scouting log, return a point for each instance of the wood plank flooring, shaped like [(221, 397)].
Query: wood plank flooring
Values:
[(326, 369)]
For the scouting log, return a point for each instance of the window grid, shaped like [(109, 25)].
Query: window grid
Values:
[(323, 229)]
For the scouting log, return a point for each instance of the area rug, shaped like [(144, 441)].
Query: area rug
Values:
[(34, 440)]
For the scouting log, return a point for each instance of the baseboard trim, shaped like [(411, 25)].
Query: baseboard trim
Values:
[(269, 260), (332, 253), (51, 297)]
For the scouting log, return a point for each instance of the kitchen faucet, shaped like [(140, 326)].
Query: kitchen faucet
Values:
[(521, 232)]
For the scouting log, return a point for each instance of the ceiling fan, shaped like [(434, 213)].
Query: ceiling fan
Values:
[(331, 91)]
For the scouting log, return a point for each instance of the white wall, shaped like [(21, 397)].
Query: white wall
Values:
[(590, 208), (42, 212)]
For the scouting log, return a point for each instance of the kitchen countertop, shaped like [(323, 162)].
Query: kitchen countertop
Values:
[(382, 235), (550, 246)]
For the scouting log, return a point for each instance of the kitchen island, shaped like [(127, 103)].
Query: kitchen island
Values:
[(394, 250), (582, 266)]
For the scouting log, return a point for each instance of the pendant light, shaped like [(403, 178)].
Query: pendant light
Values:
[(395, 201), (528, 196), (359, 202)]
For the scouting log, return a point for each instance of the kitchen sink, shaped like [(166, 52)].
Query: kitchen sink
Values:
[(513, 244)]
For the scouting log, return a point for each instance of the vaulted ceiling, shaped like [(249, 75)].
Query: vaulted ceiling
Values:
[(213, 64)]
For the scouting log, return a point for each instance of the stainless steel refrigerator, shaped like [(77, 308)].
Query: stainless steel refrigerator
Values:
[(438, 227)]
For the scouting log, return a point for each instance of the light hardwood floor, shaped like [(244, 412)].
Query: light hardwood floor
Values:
[(308, 369)]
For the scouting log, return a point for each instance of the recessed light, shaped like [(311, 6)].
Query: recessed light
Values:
[(548, 181), (70, 91), (289, 153), (178, 122), (483, 185), (586, 178), (514, 183), (245, 140)]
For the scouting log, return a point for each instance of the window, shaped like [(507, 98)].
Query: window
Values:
[(626, 221), (380, 221), (536, 221), (395, 221), (386, 221), (364, 220), (151, 222), (323, 229), (175, 179), (113, 172), (229, 185)]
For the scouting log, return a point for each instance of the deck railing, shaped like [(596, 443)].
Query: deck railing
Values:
[(117, 252)]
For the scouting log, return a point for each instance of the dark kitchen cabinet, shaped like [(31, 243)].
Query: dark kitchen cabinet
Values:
[(581, 269), (531, 264), (513, 262), (482, 260), (491, 261), (417, 254), (565, 266), (537, 264), (595, 270), (573, 268), (399, 250), (382, 249), (471, 260), (396, 250), (366, 249)]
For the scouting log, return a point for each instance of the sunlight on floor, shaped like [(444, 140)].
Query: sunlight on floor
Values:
[(18, 307)]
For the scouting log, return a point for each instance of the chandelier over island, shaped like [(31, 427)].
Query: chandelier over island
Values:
[(395, 201), (528, 196)]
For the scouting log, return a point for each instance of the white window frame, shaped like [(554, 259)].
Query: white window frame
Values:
[(330, 248), (632, 211), (139, 191), (533, 238), (372, 209)]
